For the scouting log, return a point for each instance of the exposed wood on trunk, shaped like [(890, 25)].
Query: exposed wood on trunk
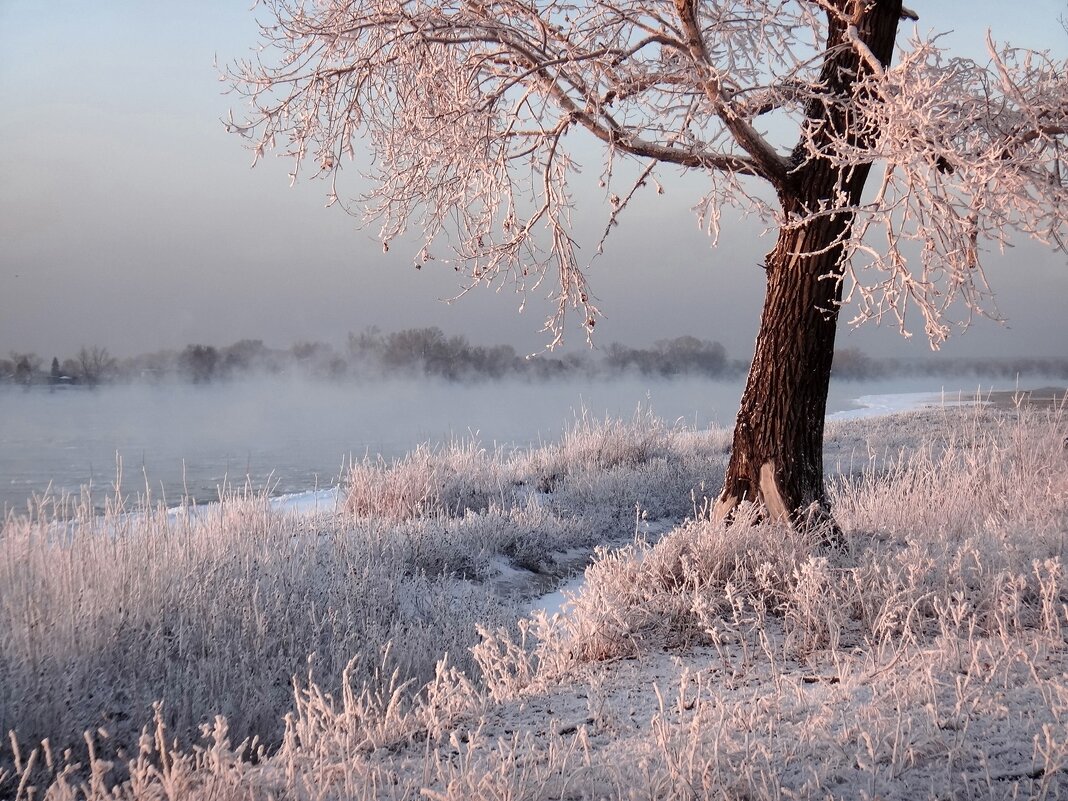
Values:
[(769, 490)]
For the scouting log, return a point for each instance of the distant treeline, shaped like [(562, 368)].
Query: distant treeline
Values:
[(422, 352), (852, 364), (412, 352)]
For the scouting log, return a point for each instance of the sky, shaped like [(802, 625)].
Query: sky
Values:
[(130, 219)]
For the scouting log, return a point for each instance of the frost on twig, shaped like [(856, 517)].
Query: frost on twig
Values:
[(972, 155), (465, 117)]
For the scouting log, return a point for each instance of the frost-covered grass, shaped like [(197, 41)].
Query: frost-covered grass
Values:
[(213, 610), (928, 658)]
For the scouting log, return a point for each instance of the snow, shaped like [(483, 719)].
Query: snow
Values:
[(311, 502), (556, 603), (895, 403), (559, 601)]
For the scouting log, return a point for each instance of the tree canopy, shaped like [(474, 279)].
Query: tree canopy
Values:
[(471, 109)]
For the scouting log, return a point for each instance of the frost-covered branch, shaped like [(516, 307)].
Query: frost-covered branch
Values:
[(465, 117), (973, 156), (472, 111)]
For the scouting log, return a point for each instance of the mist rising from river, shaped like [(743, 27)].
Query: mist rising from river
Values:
[(288, 435)]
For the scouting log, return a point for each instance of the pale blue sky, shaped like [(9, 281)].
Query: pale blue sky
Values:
[(130, 219)]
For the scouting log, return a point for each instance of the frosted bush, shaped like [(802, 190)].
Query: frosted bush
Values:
[(643, 595), (981, 474), (591, 446), (450, 479), (605, 469), (211, 612), (527, 535)]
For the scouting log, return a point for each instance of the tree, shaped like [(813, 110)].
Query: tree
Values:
[(473, 110), (243, 356), (670, 357), (318, 359), (27, 365), (95, 364), (198, 362), (70, 367)]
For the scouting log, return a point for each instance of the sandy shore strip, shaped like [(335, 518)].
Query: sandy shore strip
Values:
[(1043, 397)]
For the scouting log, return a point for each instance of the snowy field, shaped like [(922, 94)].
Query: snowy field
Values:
[(399, 637)]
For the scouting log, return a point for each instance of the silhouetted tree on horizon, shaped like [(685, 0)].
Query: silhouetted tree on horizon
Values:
[(198, 362), (26, 367), (95, 365)]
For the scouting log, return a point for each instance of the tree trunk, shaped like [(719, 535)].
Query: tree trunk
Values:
[(777, 453)]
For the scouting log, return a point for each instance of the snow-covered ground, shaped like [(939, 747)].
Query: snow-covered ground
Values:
[(312, 502), (928, 658)]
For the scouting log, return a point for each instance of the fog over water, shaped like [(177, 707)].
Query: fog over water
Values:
[(290, 435)]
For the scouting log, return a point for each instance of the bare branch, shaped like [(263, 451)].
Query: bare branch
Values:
[(972, 155), (772, 166)]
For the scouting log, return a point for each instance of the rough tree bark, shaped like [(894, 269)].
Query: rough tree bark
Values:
[(777, 453)]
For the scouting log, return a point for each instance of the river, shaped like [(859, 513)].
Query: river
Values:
[(179, 440)]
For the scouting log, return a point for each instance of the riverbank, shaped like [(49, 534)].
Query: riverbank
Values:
[(283, 436), (927, 655), (868, 406)]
